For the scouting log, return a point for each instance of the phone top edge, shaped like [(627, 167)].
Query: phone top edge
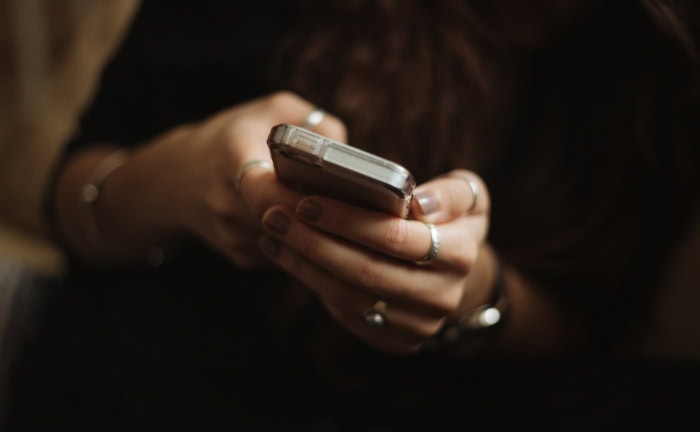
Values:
[(341, 158)]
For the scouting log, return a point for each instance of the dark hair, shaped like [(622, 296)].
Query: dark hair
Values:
[(585, 146), (400, 74)]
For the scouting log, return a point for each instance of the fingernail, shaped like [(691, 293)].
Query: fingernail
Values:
[(427, 202), (309, 210), (270, 246), (277, 222)]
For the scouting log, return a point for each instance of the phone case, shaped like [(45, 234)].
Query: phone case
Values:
[(315, 164)]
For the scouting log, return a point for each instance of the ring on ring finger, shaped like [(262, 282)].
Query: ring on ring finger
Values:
[(375, 316)]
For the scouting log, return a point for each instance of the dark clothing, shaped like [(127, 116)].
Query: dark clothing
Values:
[(196, 341), (197, 344)]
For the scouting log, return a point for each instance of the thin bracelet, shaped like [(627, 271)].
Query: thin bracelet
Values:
[(90, 191)]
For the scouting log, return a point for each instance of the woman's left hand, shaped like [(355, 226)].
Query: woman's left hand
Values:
[(353, 258)]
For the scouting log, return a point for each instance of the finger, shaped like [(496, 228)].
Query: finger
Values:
[(245, 127), (386, 339), (480, 199), (329, 126), (260, 189), (281, 107), (407, 240), (447, 197), (318, 279), (406, 325), (421, 322), (288, 107), (413, 321), (358, 266)]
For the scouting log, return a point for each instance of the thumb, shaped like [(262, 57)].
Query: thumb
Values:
[(450, 196)]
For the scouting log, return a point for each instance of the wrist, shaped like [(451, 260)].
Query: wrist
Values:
[(484, 307), (91, 192), (103, 216), (489, 315), (139, 213)]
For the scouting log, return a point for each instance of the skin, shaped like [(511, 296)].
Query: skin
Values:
[(350, 257), (183, 182)]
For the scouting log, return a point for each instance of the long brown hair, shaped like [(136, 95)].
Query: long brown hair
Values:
[(579, 140), (408, 78)]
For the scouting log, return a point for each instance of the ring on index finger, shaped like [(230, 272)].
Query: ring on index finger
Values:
[(314, 118)]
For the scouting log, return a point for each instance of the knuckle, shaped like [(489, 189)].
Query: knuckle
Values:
[(448, 302), (335, 128), (396, 234), (231, 138), (462, 264), (435, 327), (464, 260), (256, 203), (309, 245), (281, 98), (368, 275), (219, 206), (428, 329)]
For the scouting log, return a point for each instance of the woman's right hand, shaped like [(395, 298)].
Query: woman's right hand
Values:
[(184, 181)]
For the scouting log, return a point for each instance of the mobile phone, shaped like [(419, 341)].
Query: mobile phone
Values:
[(315, 164)]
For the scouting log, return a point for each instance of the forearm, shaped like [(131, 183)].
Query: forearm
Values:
[(130, 216)]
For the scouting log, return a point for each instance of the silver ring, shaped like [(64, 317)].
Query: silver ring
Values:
[(434, 245), (314, 118), (248, 166), (375, 316), (474, 186)]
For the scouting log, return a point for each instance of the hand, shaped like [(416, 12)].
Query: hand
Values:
[(352, 257), (197, 166)]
